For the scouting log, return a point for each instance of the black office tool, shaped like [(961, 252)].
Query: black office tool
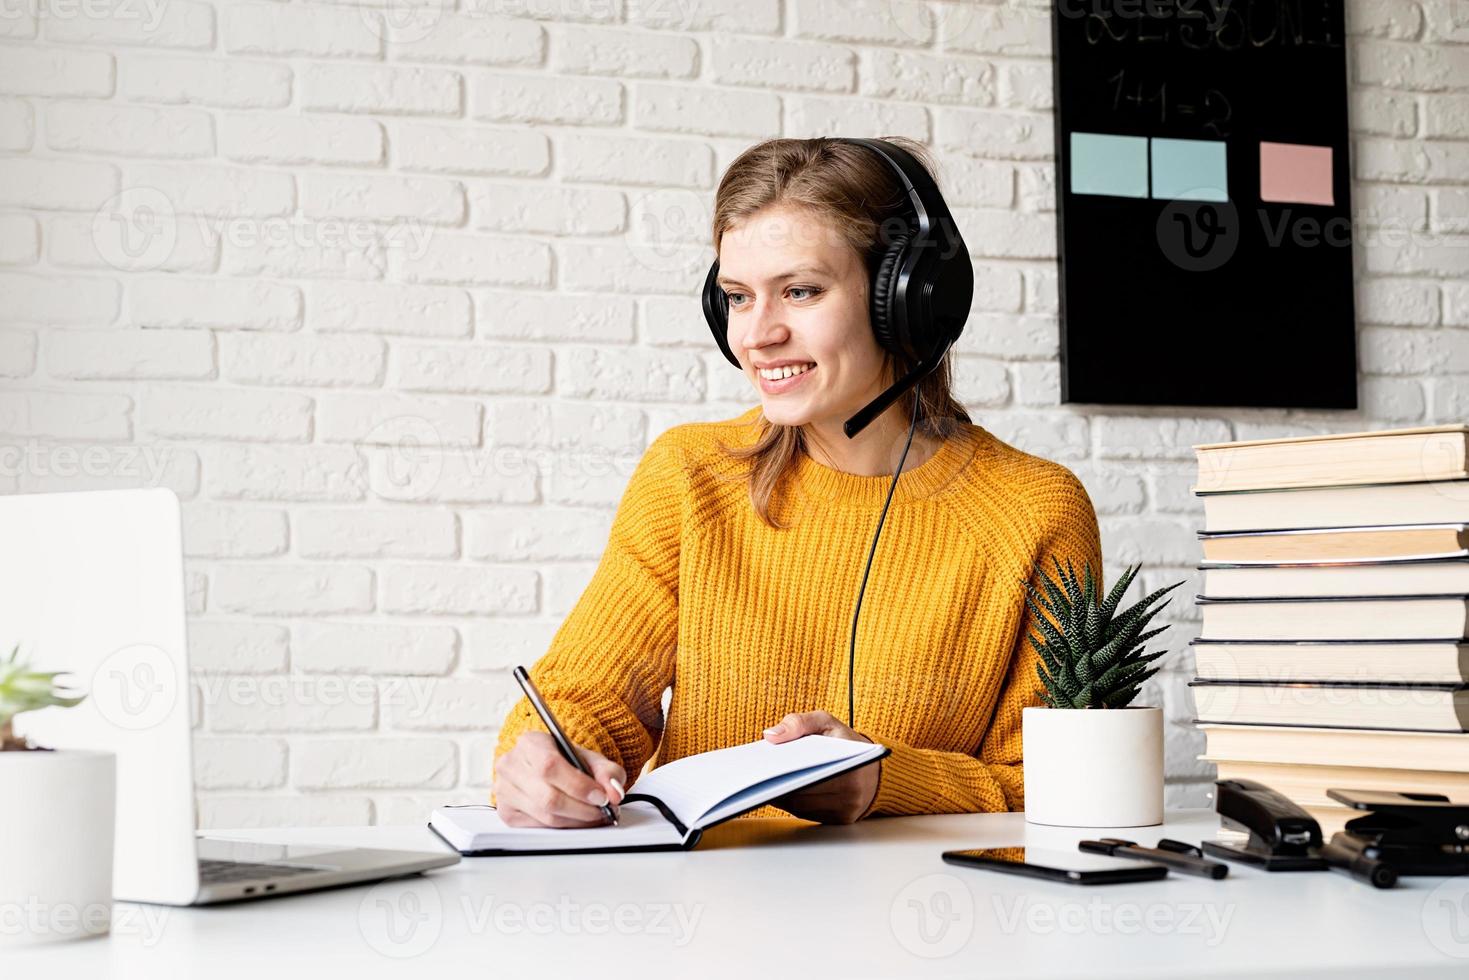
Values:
[(1283, 837), (1011, 860), (1411, 833), (562, 742), (1173, 854)]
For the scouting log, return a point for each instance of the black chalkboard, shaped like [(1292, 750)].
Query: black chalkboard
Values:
[(1183, 301)]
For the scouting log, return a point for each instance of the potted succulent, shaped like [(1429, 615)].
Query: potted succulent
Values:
[(56, 821), (1092, 758)]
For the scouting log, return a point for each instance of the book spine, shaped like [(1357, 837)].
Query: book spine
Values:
[(662, 808)]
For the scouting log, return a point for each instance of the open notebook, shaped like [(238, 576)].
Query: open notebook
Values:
[(670, 807)]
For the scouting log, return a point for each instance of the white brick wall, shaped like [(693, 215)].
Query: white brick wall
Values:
[(395, 305)]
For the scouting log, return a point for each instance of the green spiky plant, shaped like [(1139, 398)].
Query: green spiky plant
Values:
[(23, 689), (1091, 655)]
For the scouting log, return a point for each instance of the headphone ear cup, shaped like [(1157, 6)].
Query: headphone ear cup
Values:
[(716, 313), (884, 290)]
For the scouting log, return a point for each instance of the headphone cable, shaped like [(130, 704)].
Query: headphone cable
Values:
[(852, 649)]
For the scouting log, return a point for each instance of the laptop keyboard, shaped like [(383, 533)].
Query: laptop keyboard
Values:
[(215, 872)]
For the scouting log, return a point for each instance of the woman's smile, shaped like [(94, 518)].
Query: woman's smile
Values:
[(782, 385)]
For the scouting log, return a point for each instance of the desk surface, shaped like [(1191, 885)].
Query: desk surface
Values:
[(773, 898)]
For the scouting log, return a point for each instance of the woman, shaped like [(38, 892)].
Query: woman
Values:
[(737, 549)]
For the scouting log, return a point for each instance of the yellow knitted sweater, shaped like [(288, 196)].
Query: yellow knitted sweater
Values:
[(747, 623)]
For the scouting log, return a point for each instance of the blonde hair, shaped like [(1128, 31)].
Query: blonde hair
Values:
[(859, 194)]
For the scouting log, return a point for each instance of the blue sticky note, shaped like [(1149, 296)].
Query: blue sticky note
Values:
[(1190, 170), (1115, 166)]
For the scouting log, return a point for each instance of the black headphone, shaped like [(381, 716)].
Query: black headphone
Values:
[(921, 290)]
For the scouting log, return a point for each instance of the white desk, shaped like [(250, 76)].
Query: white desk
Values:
[(783, 898)]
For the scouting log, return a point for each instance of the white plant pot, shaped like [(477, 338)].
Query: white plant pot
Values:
[(56, 826), (1093, 767)]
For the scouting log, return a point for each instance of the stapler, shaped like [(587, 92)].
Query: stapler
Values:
[(1283, 837), (1412, 833)]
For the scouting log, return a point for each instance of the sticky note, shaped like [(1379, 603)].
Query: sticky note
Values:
[(1294, 173), (1114, 166), (1190, 170)]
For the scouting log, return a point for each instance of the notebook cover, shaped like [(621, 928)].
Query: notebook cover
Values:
[(1409, 685), (1205, 682), (687, 845), (1459, 427), (1223, 600), (1326, 643), (1291, 531), (1205, 565), (503, 852), (1203, 722), (1318, 486), (1451, 555)]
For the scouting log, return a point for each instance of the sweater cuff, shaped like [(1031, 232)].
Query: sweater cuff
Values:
[(913, 781), (900, 787)]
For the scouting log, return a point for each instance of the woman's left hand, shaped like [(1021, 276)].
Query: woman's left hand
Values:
[(839, 800)]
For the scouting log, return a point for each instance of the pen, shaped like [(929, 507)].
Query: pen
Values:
[(562, 742), (1173, 853)]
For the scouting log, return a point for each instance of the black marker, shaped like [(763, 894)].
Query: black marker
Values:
[(1175, 854), (562, 742)]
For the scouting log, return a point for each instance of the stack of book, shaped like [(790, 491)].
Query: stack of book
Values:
[(1334, 650)]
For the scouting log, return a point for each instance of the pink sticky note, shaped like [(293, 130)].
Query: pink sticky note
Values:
[(1291, 173)]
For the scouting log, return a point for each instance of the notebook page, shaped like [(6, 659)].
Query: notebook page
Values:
[(769, 790), (691, 786), (479, 827)]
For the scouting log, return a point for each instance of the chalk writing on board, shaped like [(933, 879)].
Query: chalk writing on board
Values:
[(1200, 25), (1162, 102)]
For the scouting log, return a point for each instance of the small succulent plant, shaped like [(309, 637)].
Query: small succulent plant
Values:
[(1091, 655), (23, 689)]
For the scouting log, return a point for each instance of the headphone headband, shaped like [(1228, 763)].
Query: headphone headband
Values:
[(921, 290)]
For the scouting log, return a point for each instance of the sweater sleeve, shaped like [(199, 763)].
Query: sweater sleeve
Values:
[(913, 780), (611, 659)]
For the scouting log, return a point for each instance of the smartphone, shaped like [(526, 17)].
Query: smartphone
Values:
[(1072, 868)]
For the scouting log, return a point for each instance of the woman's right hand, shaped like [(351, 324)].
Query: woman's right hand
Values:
[(536, 787)]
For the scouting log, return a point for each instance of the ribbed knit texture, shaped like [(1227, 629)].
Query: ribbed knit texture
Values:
[(748, 623)]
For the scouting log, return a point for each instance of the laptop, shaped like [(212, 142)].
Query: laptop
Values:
[(92, 583)]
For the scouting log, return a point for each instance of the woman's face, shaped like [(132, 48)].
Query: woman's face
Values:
[(798, 297)]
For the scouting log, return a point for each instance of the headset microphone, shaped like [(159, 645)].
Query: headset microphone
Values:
[(880, 404)]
